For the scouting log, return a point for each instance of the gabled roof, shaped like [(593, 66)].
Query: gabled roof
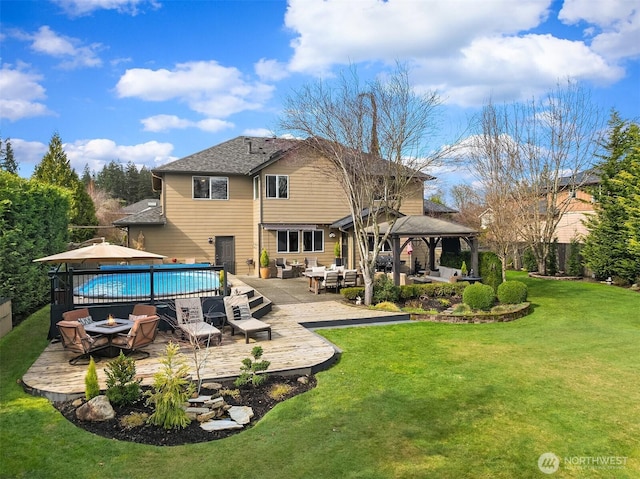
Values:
[(141, 206), (149, 216), (347, 222), (416, 225), (430, 207), (238, 156), (582, 178)]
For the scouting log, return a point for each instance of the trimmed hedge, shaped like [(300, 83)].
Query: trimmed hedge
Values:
[(411, 291), (479, 296), (33, 223), (512, 292)]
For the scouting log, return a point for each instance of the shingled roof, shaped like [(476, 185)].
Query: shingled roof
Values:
[(238, 156)]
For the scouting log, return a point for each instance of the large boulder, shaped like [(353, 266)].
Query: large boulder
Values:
[(97, 409)]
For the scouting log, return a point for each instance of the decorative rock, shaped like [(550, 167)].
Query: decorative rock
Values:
[(77, 403), (207, 416), (220, 425), (303, 380), (214, 386), (215, 403), (97, 409), (241, 414), (200, 399)]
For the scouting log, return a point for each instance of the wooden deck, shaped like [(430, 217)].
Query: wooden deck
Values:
[(294, 349)]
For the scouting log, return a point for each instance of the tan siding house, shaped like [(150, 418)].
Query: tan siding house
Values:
[(224, 204)]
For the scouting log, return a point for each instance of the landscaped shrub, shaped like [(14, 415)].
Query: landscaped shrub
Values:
[(170, 390), (512, 292), (387, 306), (574, 263), (490, 269), (385, 290), (352, 293), (552, 258), (122, 385), (412, 291), (529, 260), (251, 367), (91, 386), (478, 296)]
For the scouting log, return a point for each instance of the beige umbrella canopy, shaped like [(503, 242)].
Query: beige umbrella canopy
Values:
[(99, 252)]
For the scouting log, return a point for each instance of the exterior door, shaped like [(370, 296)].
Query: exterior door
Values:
[(226, 253)]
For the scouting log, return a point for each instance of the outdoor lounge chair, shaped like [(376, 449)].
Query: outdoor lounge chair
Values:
[(144, 310), (75, 338), (142, 333), (284, 271), (310, 263), (239, 317), (191, 321)]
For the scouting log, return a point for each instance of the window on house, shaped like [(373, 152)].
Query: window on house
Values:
[(256, 187), (210, 188), (288, 241), (386, 246), (313, 241), (277, 186)]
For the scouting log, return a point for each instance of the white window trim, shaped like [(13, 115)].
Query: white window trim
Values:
[(277, 189), (289, 250), (256, 187), (193, 195)]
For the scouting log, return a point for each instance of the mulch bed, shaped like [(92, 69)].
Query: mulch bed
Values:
[(256, 398)]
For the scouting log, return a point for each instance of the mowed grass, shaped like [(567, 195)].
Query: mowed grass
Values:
[(413, 400)]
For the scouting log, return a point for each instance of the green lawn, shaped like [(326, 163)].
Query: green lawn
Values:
[(405, 401)]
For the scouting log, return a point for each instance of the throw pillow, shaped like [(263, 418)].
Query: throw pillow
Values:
[(86, 320), (236, 313), (133, 317), (245, 311)]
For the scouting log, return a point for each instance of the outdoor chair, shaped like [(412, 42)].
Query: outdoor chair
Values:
[(331, 280), (239, 317), (284, 271), (191, 321), (310, 263), (349, 278), (75, 338), (140, 310), (142, 333), (81, 315)]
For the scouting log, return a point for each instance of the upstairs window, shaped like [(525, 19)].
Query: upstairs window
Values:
[(210, 188), (277, 186)]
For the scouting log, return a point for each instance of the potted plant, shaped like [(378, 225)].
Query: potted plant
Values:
[(463, 268), (336, 252), (264, 264)]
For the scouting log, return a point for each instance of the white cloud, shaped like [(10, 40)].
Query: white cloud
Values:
[(259, 132), (208, 88), (170, 122), (332, 32), (86, 7), (20, 91), (28, 154), (98, 152), (466, 50), (512, 68), (617, 22), (71, 50), (271, 70)]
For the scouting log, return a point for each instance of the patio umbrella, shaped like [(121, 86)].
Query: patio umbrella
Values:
[(99, 252)]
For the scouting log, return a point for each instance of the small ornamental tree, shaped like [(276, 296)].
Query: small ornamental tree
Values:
[(91, 386), (251, 367), (122, 385), (170, 390)]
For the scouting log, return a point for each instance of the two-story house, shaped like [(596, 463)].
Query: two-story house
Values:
[(223, 205)]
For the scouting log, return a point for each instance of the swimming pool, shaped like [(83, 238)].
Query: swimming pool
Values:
[(134, 281)]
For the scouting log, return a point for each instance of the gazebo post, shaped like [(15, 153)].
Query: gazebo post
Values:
[(474, 255), (433, 242)]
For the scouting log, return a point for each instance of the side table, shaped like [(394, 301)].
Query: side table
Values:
[(216, 318)]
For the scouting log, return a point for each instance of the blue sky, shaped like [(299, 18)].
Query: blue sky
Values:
[(150, 81)]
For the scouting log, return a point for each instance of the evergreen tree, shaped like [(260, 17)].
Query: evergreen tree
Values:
[(7, 159), (145, 185), (112, 179), (87, 177), (609, 248), (56, 169), (132, 182)]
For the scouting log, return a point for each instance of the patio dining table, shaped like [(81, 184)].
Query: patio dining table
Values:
[(109, 327), (316, 278)]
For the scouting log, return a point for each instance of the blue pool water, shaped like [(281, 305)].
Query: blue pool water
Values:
[(136, 282)]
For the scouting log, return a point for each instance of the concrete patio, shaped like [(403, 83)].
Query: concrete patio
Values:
[(294, 348)]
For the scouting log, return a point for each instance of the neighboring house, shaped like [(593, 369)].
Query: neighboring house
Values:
[(438, 210), (580, 206), (224, 204)]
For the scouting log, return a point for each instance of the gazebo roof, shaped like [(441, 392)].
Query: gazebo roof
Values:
[(418, 225)]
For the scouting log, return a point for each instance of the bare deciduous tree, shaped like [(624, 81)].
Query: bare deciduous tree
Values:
[(529, 157), (375, 136)]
